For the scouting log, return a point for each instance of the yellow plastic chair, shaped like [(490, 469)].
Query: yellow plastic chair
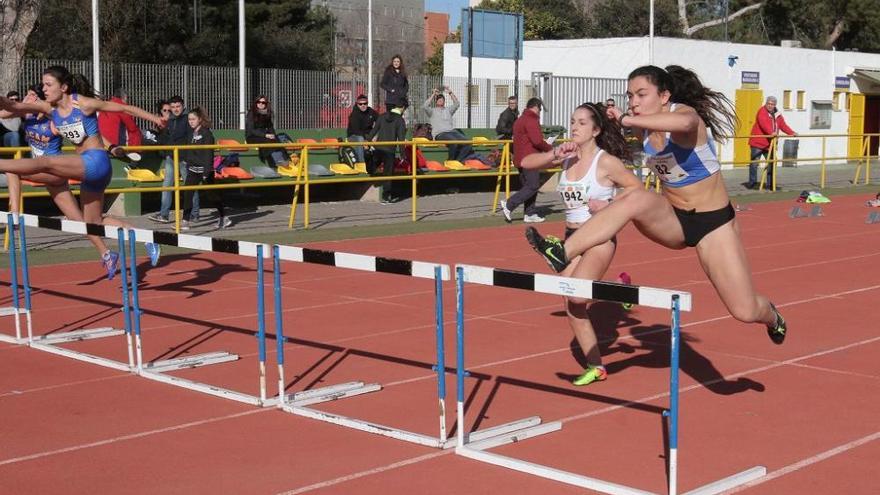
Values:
[(343, 169), (361, 167), (288, 170), (144, 175), (455, 165), (424, 142)]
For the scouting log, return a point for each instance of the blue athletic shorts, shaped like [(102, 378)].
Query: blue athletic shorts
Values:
[(98, 170)]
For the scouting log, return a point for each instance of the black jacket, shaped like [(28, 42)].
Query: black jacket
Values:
[(389, 127), (504, 127), (361, 123), (176, 131), (257, 126), (396, 86), (199, 161)]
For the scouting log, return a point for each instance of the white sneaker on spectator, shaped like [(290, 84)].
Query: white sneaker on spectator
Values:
[(224, 222), (505, 211), (533, 219), (184, 225)]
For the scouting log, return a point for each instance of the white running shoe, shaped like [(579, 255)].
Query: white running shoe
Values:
[(505, 211), (533, 219), (224, 222)]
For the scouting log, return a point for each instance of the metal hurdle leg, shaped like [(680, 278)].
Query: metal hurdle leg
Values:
[(15, 309)]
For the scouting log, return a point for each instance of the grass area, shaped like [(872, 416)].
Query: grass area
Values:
[(48, 256)]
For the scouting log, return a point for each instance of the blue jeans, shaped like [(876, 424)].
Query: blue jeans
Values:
[(757, 153), (11, 140), (458, 152), (358, 150), (167, 198)]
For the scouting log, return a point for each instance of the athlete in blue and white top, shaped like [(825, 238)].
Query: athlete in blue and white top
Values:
[(71, 105), (592, 173), (677, 115)]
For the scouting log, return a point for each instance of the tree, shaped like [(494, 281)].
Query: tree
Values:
[(706, 15), (433, 65), (544, 19), (624, 18), (844, 24), (17, 19)]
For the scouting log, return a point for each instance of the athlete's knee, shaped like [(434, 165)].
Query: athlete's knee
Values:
[(746, 312), (577, 306)]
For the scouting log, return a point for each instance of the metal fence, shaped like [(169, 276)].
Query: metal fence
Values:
[(317, 99)]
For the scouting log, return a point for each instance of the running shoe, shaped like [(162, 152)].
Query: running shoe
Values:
[(505, 211), (110, 261), (777, 331), (533, 218), (550, 248), (224, 222), (158, 218), (184, 225), (153, 251), (591, 374)]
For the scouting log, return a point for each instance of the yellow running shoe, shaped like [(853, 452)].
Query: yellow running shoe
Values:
[(591, 374)]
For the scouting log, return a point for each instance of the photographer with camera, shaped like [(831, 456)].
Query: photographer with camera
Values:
[(767, 123), (443, 124)]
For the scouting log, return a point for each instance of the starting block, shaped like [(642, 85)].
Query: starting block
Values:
[(873, 217), (797, 212)]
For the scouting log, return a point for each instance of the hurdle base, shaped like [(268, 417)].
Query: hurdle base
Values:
[(331, 393), (203, 387), (729, 482), (193, 361), (81, 356), (78, 335)]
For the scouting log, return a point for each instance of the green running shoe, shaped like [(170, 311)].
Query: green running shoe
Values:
[(591, 374), (627, 306), (777, 331), (550, 248)]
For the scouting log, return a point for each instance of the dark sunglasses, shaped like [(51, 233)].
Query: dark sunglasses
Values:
[(361, 103), (262, 102)]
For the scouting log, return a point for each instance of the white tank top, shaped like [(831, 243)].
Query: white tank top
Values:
[(575, 194)]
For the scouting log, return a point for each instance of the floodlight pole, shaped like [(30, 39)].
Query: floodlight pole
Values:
[(470, 61), (241, 69), (96, 49), (370, 53), (651, 34)]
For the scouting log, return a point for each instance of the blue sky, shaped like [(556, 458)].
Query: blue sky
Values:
[(452, 7)]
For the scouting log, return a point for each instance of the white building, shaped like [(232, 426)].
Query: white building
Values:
[(814, 94)]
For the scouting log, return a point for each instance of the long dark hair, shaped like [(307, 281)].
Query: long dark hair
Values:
[(204, 118), (391, 65), (610, 137), (76, 83), (685, 87)]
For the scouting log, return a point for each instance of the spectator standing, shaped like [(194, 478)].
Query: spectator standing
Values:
[(442, 123), (610, 103), (360, 123), (767, 123), (10, 128), (389, 127), (175, 134), (260, 129), (396, 84), (119, 128), (527, 139), (504, 127), (200, 165)]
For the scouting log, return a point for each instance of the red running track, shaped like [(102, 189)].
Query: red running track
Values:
[(808, 410)]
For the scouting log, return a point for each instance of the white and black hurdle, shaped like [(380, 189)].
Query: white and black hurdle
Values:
[(676, 301)]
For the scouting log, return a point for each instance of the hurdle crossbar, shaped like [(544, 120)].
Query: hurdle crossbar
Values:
[(675, 301)]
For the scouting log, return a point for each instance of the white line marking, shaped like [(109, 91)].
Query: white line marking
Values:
[(61, 385), (131, 436), (797, 466)]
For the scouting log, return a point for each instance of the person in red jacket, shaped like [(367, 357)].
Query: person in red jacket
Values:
[(117, 128), (767, 123), (527, 139)]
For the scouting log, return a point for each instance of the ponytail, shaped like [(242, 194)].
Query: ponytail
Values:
[(685, 87), (610, 137), (76, 83)]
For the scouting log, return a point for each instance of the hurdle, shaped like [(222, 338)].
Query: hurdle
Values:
[(797, 212), (675, 301)]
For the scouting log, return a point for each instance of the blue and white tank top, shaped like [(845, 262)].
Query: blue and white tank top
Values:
[(677, 166), (576, 194), (39, 135), (77, 126)]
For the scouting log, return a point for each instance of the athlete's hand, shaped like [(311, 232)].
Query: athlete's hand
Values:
[(161, 122), (565, 151), (613, 113), (597, 204)]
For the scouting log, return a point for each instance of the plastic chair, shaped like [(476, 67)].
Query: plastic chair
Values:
[(455, 165), (143, 175), (231, 142), (264, 172), (423, 142), (289, 170), (310, 141), (343, 169), (361, 167), (476, 165), (435, 166), (234, 173)]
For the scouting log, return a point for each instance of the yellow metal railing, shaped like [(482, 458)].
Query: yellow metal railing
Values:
[(302, 182)]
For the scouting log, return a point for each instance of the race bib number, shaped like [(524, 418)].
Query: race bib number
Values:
[(573, 195), (74, 132), (667, 169)]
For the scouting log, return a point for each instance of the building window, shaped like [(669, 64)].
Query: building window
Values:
[(838, 100), (474, 94), (801, 96), (501, 94), (530, 92), (786, 99), (820, 114)]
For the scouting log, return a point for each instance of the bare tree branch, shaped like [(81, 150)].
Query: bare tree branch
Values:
[(17, 19), (683, 15), (688, 31), (839, 27)]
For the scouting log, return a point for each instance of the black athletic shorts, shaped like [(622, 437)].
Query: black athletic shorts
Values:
[(698, 225)]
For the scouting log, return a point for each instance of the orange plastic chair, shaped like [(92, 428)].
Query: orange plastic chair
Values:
[(234, 173), (230, 142), (310, 141), (32, 183), (476, 165), (435, 166)]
